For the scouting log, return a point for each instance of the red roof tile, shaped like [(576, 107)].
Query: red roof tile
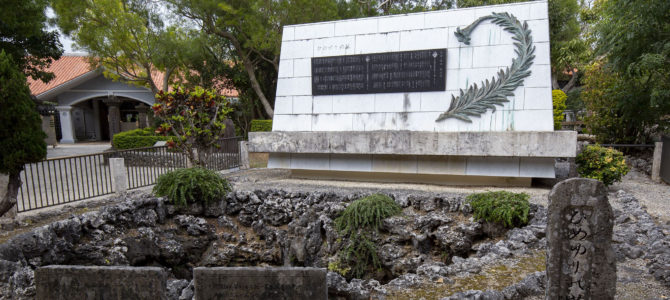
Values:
[(68, 68)]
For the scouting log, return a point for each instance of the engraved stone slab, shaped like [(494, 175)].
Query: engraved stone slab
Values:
[(390, 72), (580, 258), (260, 283), (94, 282)]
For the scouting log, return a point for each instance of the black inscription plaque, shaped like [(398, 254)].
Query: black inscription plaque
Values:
[(390, 72)]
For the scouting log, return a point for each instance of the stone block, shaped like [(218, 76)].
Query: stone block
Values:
[(421, 39), (95, 282), (312, 31), (283, 105), (539, 30), (297, 49), (580, 260), (401, 22), (117, 169), (310, 161), (539, 10), (492, 166), (542, 53), (355, 27), (357, 163), (459, 57), (353, 103), (332, 122), (376, 43), (520, 11), (534, 120), (302, 104), (279, 161), (449, 18), (538, 98), (448, 165), (537, 167), (260, 283), (285, 68), (297, 86), (322, 104), (394, 163), (302, 67), (498, 56), (334, 46), (540, 76), (288, 34)]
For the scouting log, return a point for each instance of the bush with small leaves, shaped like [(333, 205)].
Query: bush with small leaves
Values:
[(183, 186), (506, 208), (604, 164), (358, 221)]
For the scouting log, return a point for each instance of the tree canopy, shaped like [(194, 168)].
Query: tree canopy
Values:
[(23, 36)]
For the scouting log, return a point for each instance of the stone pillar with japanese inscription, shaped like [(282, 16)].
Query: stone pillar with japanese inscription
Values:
[(580, 258)]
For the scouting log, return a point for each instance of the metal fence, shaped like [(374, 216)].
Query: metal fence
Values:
[(63, 180), (68, 179)]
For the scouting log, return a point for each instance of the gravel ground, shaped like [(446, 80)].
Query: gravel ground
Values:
[(655, 196), (77, 149)]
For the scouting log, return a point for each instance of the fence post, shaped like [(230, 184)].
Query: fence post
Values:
[(244, 155), (656, 165), (117, 168)]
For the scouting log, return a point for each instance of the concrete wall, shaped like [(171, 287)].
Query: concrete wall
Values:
[(491, 49)]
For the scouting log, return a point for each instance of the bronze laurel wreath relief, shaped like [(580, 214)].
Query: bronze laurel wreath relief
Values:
[(475, 101)]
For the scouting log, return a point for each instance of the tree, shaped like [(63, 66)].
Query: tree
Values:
[(24, 38), (21, 136), (196, 118), (126, 37), (569, 49)]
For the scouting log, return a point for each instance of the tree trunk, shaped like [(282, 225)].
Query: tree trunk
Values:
[(571, 84), (257, 87), (554, 83), (9, 199)]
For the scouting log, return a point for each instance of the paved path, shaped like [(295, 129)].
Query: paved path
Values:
[(77, 149)]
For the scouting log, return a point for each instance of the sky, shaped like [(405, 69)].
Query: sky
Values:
[(66, 41)]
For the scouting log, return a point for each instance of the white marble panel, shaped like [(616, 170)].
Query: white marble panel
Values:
[(534, 120), (492, 166), (302, 104), (424, 39), (285, 68), (486, 34), (537, 167), (540, 76), (436, 101), (322, 104), (354, 103), (288, 33), (539, 30), (493, 56), (417, 121), (394, 163), (538, 98), (334, 46), (462, 79), (356, 27), (357, 163), (310, 161), (302, 67), (332, 122), (375, 122), (401, 22), (283, 105), (448, 18), (376, 43), (542, 53), (297, 86), (297, 49), (311, 31), (279, 161), (459, 58), (292, 123), (397, 102), (431, 164), (539, 10), (520, 11)]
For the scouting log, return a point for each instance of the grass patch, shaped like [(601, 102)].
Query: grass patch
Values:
[(182, 186), (507, 208)]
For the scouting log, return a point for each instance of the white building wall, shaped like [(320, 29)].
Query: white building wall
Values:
[(491, 49)]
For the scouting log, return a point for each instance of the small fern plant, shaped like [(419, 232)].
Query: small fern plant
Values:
[(358, 221), (183, 186), (506, 208)]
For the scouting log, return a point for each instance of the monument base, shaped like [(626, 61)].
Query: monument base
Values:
[(413, 178)]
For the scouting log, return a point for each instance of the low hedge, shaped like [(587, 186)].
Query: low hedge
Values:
[(261, 125), (137, 138)]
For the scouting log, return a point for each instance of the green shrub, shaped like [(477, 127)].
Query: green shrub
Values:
[(506, 208), (261, 125), (137, 138), (604, 164), (558, 100), (191, 185), (358, 221)]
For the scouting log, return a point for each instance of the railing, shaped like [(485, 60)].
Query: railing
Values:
[(63, 180), (68, 179)]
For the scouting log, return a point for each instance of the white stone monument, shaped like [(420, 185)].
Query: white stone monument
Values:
[(459, 96)]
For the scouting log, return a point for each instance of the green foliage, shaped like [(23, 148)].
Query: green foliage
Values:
[(604, 164), (195, 118), (21, 136), (127, 37), (620, 109), (358, 221), (507, 208), (24, 37), (137, 138), (191, 185), (558, 99), (261, 125)]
